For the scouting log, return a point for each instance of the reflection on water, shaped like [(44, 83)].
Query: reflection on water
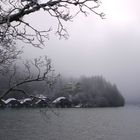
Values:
[(70, 124)]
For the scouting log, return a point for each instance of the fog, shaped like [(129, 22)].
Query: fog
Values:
[(107, 47)]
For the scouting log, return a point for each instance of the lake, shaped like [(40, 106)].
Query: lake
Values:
[(121, 123)]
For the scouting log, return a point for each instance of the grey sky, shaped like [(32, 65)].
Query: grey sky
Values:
[(108, 47)]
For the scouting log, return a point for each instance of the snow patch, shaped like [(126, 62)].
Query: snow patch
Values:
[(58, 99), (8, 100)]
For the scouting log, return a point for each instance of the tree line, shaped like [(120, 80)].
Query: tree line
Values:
[(92, 91)]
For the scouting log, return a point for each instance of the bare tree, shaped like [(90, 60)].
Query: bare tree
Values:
[(12, 12), (14, 28), (38, 70)]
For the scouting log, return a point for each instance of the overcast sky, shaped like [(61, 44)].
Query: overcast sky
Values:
[(109, 47)]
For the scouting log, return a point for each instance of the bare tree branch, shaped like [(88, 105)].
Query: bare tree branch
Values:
[(12, 13), (38, 70), (8, 55)]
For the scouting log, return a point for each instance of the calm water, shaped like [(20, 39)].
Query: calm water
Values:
[(70, 124)]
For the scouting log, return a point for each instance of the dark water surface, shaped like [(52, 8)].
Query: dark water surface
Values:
[(70, 124)]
